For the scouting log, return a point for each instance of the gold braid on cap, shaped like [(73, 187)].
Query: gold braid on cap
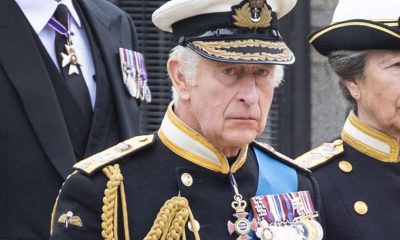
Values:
[(109, 216), (226, 49), (171, 220)]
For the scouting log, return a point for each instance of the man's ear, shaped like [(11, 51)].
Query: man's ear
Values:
[(182, 87)]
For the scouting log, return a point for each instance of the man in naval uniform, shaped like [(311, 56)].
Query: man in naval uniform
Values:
[(202, 174), (45, 125)]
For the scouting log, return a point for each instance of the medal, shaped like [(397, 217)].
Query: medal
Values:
[(264, 232), (134, 74), (318, 227), (129, 71), (145, 93), (242, 226), (70, 58), (286, 216)]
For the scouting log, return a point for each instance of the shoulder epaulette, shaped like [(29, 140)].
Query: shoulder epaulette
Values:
[(320, 155), (280, 156), (110, 155)]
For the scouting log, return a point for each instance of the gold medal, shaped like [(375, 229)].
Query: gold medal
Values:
[(318, 227), (307, 229)]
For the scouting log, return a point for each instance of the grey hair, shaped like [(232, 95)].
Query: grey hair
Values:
[(189, 61), (348, 66)]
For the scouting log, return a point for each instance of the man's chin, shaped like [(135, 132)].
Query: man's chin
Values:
[(240, 138)]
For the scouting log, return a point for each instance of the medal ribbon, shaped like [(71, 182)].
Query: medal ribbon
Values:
[(141, 66), (136, 57), (128, 57), (281, 208), (233, 182), (289, 207), (310, 211), (61, 29), (274, 209)]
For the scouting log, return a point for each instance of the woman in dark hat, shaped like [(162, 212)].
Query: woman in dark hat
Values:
[(359, 174)]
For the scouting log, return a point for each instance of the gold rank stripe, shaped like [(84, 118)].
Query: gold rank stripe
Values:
[(108, 156), (320, 154), (347, 24)]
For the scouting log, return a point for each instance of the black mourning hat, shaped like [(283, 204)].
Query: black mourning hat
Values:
[(360, 25), (234, 31)]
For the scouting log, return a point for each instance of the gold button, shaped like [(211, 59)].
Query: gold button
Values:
[(338, 142), (361, 208), (196, 225), (345, 166), (142, 138), (187, 179)]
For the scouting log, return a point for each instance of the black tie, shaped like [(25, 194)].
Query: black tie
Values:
[(74, 80)]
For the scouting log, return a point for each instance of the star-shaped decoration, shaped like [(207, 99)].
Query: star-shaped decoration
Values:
[(70, 59)]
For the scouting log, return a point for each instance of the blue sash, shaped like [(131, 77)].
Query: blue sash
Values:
[(274, 177)]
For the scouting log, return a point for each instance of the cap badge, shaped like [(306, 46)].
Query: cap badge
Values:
[(253, 14)]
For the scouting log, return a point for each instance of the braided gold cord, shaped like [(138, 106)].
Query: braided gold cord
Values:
[(171, 220), (178, 225), (109, 216)]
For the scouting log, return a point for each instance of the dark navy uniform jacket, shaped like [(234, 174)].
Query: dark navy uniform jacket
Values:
[(157, 169), (359, 179)]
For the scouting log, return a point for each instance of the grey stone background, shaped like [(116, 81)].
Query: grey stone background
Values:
[(328, 107)]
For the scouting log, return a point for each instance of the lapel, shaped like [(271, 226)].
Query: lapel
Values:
[(27, 71), (107, 31)]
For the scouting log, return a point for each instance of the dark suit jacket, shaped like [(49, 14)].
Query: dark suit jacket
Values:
[(36, 154)]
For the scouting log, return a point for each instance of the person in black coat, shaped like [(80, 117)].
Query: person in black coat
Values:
[(202, 175), (43, 130), (359, 172)]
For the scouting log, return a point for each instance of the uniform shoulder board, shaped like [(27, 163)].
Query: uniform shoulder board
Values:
[(282, 157), (320, 155), (91, 164)]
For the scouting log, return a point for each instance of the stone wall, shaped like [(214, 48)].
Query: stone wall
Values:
[(328, 107)]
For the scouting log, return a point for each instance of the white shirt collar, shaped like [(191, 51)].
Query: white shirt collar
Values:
[(39, 12)]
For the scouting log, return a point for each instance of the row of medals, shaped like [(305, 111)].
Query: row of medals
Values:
[(305, 228), (136, 86)]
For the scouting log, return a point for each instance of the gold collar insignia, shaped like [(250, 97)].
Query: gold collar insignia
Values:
[(191, 145), (370, 141)]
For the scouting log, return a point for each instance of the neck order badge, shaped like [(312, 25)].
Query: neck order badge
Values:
[(61, 24)]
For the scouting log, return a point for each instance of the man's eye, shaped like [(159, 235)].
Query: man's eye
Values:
[(261, 72), (229, 71)]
